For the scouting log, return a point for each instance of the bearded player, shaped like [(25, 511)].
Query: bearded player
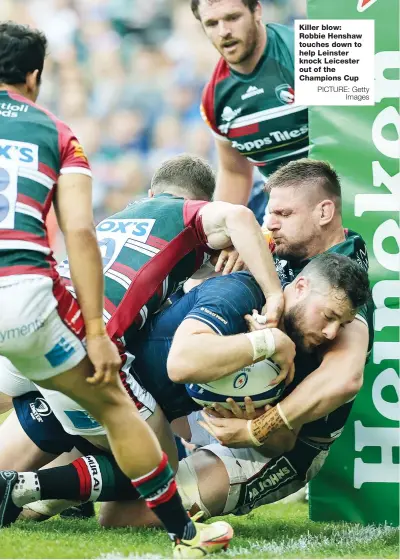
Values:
[(249, 101)]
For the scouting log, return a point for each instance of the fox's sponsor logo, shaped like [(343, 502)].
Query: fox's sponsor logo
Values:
[(11, 110), (277, 136), (23, 154), (140, 228), (285, 94), (364, 5)]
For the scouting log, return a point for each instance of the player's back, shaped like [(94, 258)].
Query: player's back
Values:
[(148, 250), (35, 148)]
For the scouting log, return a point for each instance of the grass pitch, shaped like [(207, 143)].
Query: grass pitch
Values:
[(278, 531)]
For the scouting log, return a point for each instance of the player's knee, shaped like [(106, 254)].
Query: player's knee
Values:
[(203, 483)]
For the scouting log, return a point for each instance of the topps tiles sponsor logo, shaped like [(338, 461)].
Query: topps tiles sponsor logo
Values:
[(386, 316), (12, 111), (275, 137)]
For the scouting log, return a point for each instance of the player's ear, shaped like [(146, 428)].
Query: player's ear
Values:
[(326, 210), (150, 193), (258, 13), (32, 82), (301, 287)]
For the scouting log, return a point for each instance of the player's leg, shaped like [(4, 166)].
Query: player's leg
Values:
[(5, 403), (17, 451), (253, 480)]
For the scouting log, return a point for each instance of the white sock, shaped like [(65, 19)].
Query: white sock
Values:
[(27, 489)]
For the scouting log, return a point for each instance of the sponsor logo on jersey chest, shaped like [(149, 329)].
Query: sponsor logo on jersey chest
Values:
[(23, 154), (139, 228), (11, 110), (252, 91)]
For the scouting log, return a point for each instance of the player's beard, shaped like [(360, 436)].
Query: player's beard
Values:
[(294, 326), (248, 47)]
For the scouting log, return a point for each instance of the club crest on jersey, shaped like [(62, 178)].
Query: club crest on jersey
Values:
[(285, 94), (364, 5)]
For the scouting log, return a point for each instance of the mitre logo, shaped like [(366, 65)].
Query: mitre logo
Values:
[(364, 5)]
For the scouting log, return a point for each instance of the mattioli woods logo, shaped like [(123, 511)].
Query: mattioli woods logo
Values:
[(365, 4)]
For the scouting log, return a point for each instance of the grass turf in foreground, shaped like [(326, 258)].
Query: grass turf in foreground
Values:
[(280, 531)]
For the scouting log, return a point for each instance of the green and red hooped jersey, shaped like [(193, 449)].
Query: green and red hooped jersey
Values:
[(149, 249), (256, 112), (35, 149)]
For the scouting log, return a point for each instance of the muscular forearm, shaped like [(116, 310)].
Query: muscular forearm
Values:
[(206, 357), (233, 187), (316, 396), (320, 394), (247, 238), (278, 443), (86, 271)]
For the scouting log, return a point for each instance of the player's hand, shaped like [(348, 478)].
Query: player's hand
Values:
[(285, 351), (273, 308), (235, 411), (105, 358), (230, 432), (229, 261)]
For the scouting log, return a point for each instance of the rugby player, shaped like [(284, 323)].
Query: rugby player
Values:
[(248, 102), (42, 326), (329, 236), (330, 282)]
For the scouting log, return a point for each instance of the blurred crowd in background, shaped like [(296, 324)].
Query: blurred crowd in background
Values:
[(127, 76)]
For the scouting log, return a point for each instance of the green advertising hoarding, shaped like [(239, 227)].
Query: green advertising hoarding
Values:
[(360, 480)]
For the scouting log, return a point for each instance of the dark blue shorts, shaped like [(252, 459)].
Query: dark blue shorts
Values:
[(43, 428)]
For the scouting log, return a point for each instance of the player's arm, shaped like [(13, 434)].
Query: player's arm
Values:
[(235, 175), (228, 224), (222, 423), (199, 355), (73, 205), (337, 380)]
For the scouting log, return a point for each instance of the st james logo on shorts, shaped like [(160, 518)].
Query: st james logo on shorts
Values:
[(270, 479)]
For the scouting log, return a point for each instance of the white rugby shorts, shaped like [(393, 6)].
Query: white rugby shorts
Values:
[(41, 327)]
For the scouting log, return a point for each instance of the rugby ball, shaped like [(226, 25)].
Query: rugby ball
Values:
[(252, 381)]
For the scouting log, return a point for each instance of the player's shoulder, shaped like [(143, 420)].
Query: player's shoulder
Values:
[(235, 285), (220, 73), (280, 31)]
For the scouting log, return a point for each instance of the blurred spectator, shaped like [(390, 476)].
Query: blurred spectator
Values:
[(127, 76)]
